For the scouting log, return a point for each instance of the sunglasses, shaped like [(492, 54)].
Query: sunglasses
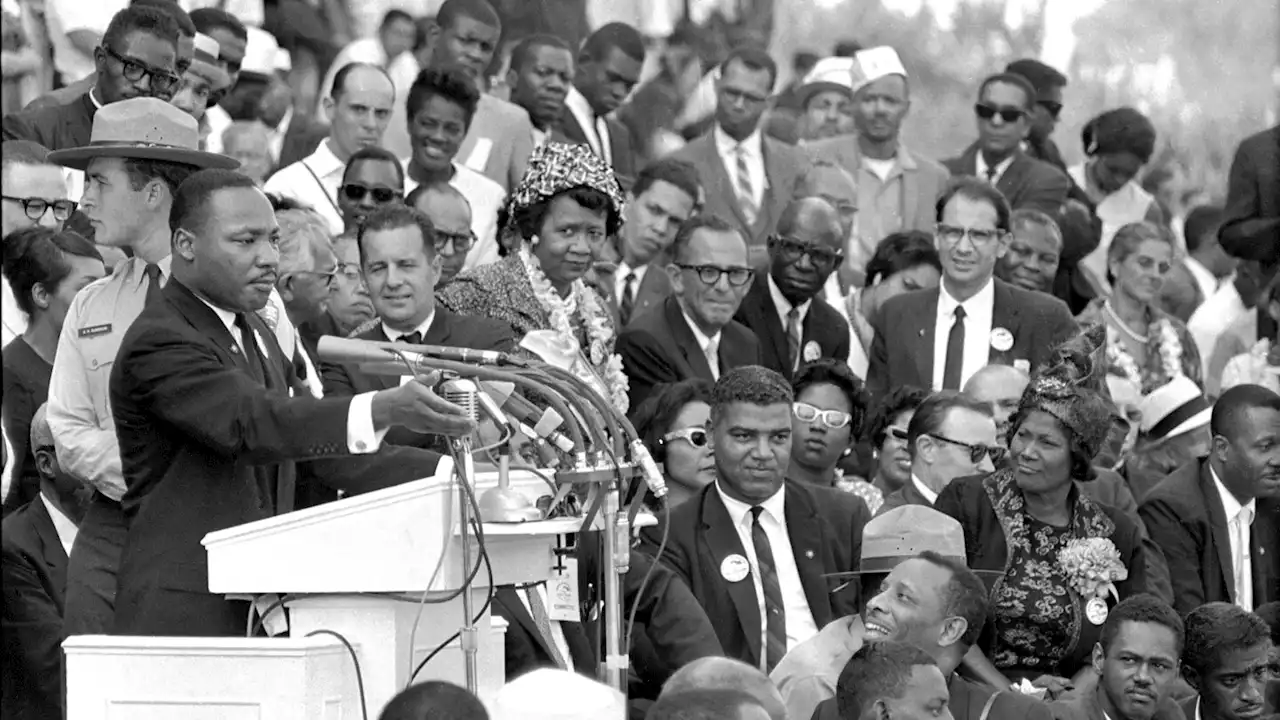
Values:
[(135, 70), (695, 436), (976, 452), (710, 274), (35, 207), (834, 419), (1053, 108), (898, 434), (792, 250), (462, 242), (382, 196), (1007, 114)]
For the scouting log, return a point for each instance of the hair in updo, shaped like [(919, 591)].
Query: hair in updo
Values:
[(527, 220), (1118, 131), (1081, 457)]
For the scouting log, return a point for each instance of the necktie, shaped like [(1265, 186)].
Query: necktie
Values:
[(542, 620), (775, 619), (1242, 572), (712, 351), (251, 354), (991, 174), (628, 302), (955, 353), (746, 192), (793, 338), (413, 338), (153, 283)]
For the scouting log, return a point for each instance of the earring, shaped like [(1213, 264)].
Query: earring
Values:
[(533, 241), (847, 452)]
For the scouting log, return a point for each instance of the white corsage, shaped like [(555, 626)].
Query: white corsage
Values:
[(1093, 566)]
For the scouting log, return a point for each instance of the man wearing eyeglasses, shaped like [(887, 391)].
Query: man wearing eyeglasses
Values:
[(137, 57), (693, 333), (1004, 111), (784, 307), (950, 436), (939, 338), (450, 213)]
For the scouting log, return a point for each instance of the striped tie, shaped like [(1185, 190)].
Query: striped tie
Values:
[(775, 619), (746, 192)]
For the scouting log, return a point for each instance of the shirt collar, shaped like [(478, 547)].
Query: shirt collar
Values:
[(323, 162), (774, 506), (624, 268), (579, 105), (981, 166), (701, 337), (93, 98), (1230, 505), (62, 524), (753, 143), (784, 306), (227, 317), (928, 494), (134, 270), (423, 327), (984, 298)]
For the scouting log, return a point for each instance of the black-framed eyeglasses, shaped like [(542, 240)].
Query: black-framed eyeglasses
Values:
[(1053, 108), (695, 436), (356, 193), (35, 207), (1007, 114), (792, 250), (134, 70), (976, 451), (834, 419), (711, 274), (980, 237), (462, 242)]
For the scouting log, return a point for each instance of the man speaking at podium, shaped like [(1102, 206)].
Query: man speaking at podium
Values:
[(208, 422)]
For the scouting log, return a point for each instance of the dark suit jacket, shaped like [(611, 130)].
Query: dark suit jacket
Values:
[(524, 646), (1184, 516), (448, 329), (57, 127), (620, 144), (902, 351), (1028, 183), (783, 166), (1086, 705), (908, 494), (658, 348), (826, 536), (822, 325), (1251, 223), (201, 445), (33, 567), (26, 388), (966, 702), (654, 287)]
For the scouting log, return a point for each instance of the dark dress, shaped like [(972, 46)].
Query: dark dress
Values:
[(26, 387), (1037, 623)]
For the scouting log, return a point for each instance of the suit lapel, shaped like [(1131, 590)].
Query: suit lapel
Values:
[(1263, 538), (722, 181), (723, 541), (1218, 526), (514, 605), (926, 319), (807, 545), (654, 288), (1011, 180), (760, 304), (775, 168), (203, 319), (382, 382), (51, 550), (685, 341)]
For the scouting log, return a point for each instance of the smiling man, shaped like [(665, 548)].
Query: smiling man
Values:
[(1035, 248), (784, 307)]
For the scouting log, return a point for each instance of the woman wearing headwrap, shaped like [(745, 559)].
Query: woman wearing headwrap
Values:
[(558, 218), (1029, 523), (1117, 144)]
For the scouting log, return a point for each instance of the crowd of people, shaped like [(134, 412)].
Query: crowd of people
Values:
[(985, 437)]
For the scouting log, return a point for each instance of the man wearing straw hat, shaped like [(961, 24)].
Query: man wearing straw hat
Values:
[(203, 79), (138, 153), (928, 598), (826, 99)]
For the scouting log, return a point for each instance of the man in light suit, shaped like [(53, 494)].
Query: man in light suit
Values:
[(663, 197), (608, 70), (747, 176), (939, 338), (693, 333), (500, 138), (896, 187)]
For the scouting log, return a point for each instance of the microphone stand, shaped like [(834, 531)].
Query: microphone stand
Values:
[(467, 635)]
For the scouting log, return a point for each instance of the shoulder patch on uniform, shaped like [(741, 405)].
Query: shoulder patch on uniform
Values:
[(95, 330)]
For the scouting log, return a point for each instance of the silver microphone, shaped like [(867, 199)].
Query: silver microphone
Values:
[(649, 469), (462, 392)]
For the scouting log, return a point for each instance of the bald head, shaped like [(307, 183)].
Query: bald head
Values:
[(721, 673), (41, 435), (834, 184), (810, 215), (999, 386)]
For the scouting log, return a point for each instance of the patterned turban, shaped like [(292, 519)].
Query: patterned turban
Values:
[(557, 167), (1072, 387)]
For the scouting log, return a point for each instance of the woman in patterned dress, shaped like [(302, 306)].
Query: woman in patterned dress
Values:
[(560, 215), (1145, 345), (1018, 519)]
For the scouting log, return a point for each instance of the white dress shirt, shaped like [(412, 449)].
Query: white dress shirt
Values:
[(928, 494), (276, 135), (362, 438), (977, 331), (705, 342), (62, 525), (981, 167), (620, 280), (540, 137), (219, 120), (753, 146), (1220, 310), (800, 623), (1204, 278), (486, 197), (557, 630), (313, 181), (1241, 552), (596, 129), (784, 306), (394, 335)]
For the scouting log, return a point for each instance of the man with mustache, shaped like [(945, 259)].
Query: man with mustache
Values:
[(1137, 666), (359, 108), (1226, 659), (540, 77)]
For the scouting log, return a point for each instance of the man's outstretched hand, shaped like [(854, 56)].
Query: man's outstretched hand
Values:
[(416, 406)]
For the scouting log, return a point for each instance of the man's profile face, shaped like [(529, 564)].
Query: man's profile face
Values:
[(1235, 689), (1043, 121), (752, 446), (1251, 451), (234, 252), (230, 51), (114, 208), (925, 697), (1002, 390), (1138, 669)]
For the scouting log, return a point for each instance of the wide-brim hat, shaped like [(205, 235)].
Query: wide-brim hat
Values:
[(143, 129), (832, 73), (261, 53), (903, 533), (1174, 408)]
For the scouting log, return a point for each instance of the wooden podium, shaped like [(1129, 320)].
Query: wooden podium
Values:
[(356, 567)]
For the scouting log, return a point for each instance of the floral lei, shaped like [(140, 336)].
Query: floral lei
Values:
[(1163, 341), (607, 365)]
